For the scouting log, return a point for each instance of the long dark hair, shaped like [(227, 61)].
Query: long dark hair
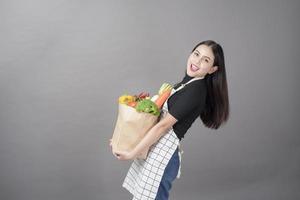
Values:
[(216, 110)]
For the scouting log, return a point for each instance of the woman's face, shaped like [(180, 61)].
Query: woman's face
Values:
[(201, 61)]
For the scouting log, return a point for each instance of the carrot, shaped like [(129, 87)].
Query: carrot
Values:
[(162, 98)]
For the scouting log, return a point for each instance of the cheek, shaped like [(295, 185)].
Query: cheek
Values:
[(189, 61), (205, 67)]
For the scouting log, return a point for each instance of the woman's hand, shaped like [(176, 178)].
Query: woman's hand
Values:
[(122, 155), (125, 155)]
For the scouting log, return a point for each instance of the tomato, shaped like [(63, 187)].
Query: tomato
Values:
[(132, 104)]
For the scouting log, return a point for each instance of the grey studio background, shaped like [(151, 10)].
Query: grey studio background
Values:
[(65, 63)]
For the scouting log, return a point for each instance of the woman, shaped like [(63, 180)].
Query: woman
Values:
[(202, 93)]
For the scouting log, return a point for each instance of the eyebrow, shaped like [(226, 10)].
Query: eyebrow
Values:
[(204, 56)]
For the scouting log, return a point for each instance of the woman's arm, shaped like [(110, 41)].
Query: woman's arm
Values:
[(155, 133)]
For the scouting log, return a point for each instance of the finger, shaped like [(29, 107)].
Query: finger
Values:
[(117, 154)]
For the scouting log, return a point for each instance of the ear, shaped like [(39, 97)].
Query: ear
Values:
[(213, 69)]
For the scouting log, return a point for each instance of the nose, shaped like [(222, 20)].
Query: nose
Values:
[(198, 60)]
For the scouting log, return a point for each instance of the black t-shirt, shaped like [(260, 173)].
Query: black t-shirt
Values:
[(187, 104)]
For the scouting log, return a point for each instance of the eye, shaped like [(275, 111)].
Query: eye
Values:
[(196, 53), (206, 60)]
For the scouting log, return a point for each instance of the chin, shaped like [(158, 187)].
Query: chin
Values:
[(189, 72)]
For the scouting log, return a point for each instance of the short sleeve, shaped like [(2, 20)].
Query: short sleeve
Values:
[(184, 104)]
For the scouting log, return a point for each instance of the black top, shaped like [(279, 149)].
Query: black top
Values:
[(187, 104)]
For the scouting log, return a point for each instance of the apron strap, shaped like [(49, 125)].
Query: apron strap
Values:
[(180, 152)]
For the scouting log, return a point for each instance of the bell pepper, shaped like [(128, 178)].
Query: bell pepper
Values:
[(124, 99)]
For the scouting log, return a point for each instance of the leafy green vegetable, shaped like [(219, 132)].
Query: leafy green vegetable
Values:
[(147, 106)]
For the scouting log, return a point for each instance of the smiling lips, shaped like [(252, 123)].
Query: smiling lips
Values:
[(194, 68)]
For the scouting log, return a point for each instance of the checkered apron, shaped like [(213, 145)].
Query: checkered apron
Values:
[(144, 175)]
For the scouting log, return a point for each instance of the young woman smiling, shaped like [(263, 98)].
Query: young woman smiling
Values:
[(202, 93)]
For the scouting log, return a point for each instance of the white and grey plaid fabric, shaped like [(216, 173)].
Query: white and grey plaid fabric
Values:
[(144, 176)]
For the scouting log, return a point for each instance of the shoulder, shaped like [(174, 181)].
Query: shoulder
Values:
[(186, 101), (191, 93), (196, 89)]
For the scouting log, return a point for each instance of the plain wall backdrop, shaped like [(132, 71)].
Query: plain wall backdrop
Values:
[(63, 65)]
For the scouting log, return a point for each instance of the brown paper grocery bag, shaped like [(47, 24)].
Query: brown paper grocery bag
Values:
[(130, 128)]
